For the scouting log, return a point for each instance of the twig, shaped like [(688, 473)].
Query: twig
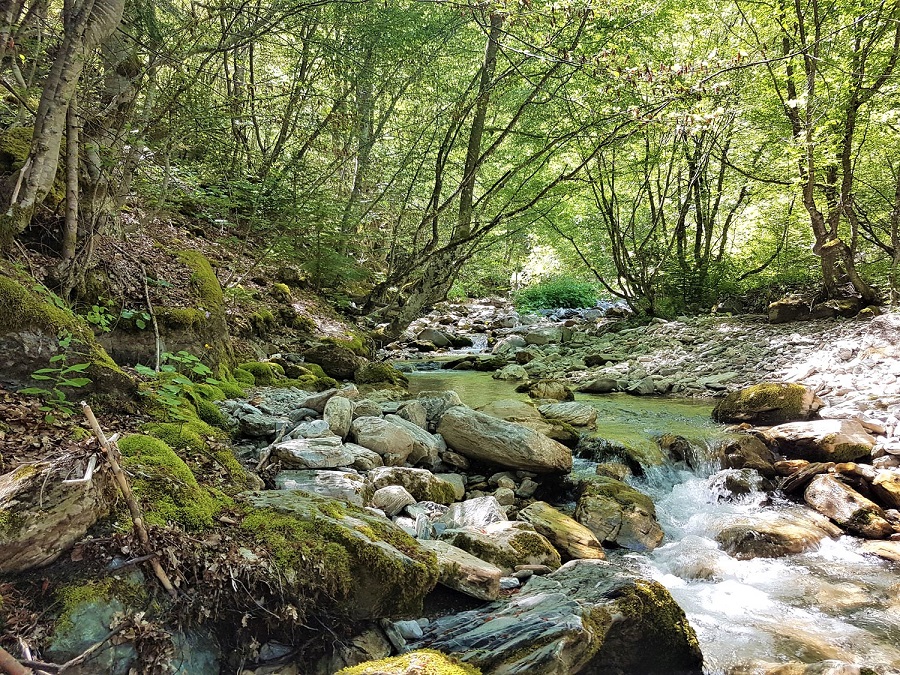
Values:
[(88, 473), (10, 666), (137, 516), (87, 653), (15, 194), (152, 317)]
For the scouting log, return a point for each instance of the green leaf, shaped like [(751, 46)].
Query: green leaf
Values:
[(40, 377), (34, 391), (75, 382), (77, 368), (140, 323), (145, 370)]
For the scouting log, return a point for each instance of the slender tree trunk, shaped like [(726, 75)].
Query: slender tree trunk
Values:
[(70, 231), (87, 25), (473, 151)]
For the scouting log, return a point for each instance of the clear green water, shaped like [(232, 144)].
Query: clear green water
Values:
[(632, 421)]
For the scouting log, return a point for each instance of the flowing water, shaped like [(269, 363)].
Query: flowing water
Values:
[(834, 603)]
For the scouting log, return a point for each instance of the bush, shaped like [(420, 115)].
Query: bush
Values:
[(556, 293)]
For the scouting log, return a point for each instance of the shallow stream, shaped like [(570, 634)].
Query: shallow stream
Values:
[(833, 603)]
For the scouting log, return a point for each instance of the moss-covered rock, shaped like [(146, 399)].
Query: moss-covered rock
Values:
[(338, 557), (210, 413), (281, 292), (166, 487), (32, 322), (231, 389), (372, 373), (421, 662), (264, 373), (768, 403), (619, 514), (243, 376), (336, 360)]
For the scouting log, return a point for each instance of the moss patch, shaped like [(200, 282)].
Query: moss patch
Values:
[(372, 373), (767, 403), (421, 662), (264, 373), (231, 390), (164, 484), (208, 412), (203, 280), (339, 554)]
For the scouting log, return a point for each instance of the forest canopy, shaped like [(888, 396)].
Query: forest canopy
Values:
[(673, 153)]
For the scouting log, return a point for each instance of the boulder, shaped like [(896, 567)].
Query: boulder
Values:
[(886, 487), (511, 410), (889, 550), (258, 424), (464, 572), (775, 534), (847, 507), (363, 458), (478, 513), (436, 403), (338, 414), (821, 440), (484, 438), (349, 561), (313, 453), (392, 499), (739, 484), (576, 414), (366, 408), (644, 387), (423, 485), (378, 373), (393, 442), (748, 452), (413, 411), (509, 344), (41, 516), (549, 389), (601, 385), (369, 645), (505, 544), (768, 403), (435, 337), (346, 485), (458, 482), (425, 447), (312, 429), (589, 616), (512, 372), (571, 538), (318, 401), (617, 513), (337, 361)]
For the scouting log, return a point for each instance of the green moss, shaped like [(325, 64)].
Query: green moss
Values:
[(208, 392), (243, 376), (164, 484), (372, 373), (262, 321), (74, 596), (769, 402), (21, 308), (203, 280), (188, 435), (281, 292), (652, 634), (618, 491), (421, 662), (210, 413), (321, 545), (304, 324), (10, 523), (358, 344), (264, 373), (231, 389), (533, 545)]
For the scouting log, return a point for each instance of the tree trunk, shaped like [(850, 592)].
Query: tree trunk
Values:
[(70, 231), (87, 25)]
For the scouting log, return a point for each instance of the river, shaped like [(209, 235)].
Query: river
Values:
[(833, 603)]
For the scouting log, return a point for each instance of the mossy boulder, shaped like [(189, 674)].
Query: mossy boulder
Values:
[(768, 403), (338, 361), (505, 544), (421, 662), (166, 487), (198, 328), (338, 558), (375, 373), (243, 376), (32, 323), (264, 373), (618, 514), (589, 616)]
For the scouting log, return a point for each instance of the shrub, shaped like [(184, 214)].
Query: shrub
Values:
[(556, 292)]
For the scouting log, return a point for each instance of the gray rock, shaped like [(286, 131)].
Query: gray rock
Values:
[(545, 628), (366, 408), (457, 481), (338, 414), (363, 458), (423, 485), (821, 440), (572, 538), (479, 513), (847, 507), (512, 372), (435, 337), (425, 448), (351, 487), (484, 438), (392, 499), (576, 414), (313, 453), (508, 345), (259, 425), (436, 403), (617, 513), (643, 387), (464, 572), (413, 411), (506, 544), (393, 442), (318, 401), (313, 429), (774, 534)]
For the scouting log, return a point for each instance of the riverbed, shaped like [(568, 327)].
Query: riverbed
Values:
[(833, 603)]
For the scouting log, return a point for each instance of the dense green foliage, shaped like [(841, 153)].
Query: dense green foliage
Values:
[(557, 292), (396, 153)]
